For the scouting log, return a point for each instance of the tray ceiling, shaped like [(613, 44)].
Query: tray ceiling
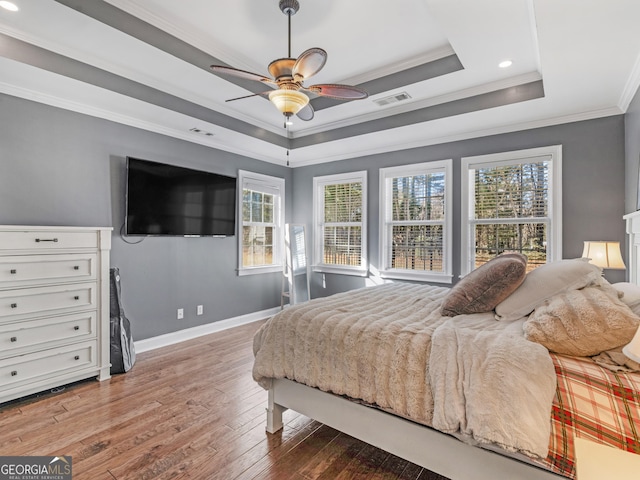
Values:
[(145, 63)]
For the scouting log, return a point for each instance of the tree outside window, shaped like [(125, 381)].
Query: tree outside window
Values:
[(257, 228), (415, 222), (340, 223), (511, 202), (261, 243)]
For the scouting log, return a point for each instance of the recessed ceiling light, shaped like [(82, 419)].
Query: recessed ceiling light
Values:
[(12, 7), (505, 64)]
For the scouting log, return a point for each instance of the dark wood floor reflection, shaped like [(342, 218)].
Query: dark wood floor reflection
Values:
[(188, 411)]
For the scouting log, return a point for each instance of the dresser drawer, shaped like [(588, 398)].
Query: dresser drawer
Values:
[(29, 368), (21, 337), (40, 269), (36, 240), (18, 303)]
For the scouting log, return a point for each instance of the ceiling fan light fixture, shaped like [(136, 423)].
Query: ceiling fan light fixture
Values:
[(289, 75), (289, 102)]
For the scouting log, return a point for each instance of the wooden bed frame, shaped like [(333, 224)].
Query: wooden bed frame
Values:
[(424, 446)]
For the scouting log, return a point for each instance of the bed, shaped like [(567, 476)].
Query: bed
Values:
[(461, 381)]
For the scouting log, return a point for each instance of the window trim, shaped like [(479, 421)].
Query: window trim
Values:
[(318, 215), (271, 183), (447, 242), (554, 154)]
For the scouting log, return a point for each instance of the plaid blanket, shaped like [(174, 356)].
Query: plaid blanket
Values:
[(592, 403)]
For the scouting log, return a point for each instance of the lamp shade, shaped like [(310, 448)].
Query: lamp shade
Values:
[(288, 102), (632, 349), (604, 254)]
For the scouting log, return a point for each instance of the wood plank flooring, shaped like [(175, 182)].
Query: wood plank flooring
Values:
[(188, 411)]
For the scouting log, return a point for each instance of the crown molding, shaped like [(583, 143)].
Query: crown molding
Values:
[(212, 142), (218, 50), (631, 87), (578, 117), (82, 108), (232, 57), (390, 69), (533, 29), (139, 77), (405, 107)]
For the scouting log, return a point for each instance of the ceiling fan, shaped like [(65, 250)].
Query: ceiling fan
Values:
[(290, 73)]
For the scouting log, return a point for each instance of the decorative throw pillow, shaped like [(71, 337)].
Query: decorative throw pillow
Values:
[(486, 286), (582, 322), (545, 282)]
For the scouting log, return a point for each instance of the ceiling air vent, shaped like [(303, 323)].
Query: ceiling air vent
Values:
[(398, 97)]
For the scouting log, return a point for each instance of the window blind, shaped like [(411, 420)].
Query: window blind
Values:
[(341, 221), (511, 211), (415, 228)]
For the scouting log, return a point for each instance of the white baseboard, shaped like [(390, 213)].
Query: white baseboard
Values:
[(194, 332)]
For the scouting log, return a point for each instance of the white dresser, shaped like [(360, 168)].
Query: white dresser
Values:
[(54, 307)]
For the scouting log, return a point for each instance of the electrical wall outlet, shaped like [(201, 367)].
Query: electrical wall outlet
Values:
[(180, 313), (199, 310)]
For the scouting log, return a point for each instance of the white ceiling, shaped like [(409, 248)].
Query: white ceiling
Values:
[(586, 53)]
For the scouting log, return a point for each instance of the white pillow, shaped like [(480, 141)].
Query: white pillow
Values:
[(546, 281), (630, 292)]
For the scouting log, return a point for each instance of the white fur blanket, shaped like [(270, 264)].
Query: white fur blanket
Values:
[(375, 344), (491, 385), (371, 344)]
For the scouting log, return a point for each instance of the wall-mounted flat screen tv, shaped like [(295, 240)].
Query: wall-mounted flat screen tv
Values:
[(169, 200)]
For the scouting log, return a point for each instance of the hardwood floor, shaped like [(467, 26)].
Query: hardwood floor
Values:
[(188, 411)]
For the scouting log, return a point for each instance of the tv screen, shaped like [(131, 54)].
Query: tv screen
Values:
[(168, 200)]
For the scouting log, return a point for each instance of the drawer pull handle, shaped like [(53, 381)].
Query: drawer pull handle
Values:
[(76, 297), (77, 357), (54, 240), (14, 305), (76, 327), (14, 373), (14, 339), (76, 267), (13, 271)]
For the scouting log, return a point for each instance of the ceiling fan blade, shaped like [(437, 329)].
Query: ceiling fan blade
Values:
[(241, 73), (309, 63), (306, 113), (341, 92), (248, 96)]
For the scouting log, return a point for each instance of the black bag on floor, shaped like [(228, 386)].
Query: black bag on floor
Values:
[(123, 354)]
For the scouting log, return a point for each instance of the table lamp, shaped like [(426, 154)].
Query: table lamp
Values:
[(604, 254)]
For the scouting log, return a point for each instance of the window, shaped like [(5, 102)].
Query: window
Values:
[(415, 222), (511, 202), (340, 223), (262, 212)]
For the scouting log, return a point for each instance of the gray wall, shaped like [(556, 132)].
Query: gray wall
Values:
[(64, 168), (632, 153), (593, 169)]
